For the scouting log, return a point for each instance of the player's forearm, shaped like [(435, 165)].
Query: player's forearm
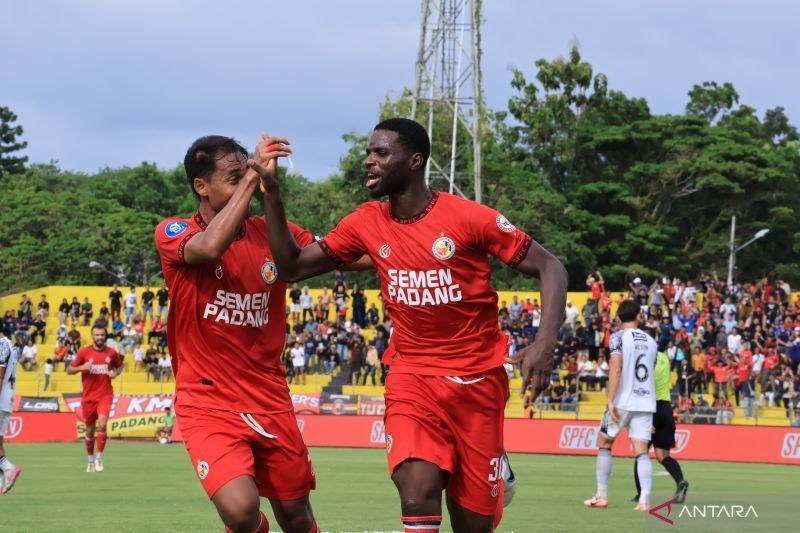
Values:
[(553, 278), (224, 227), (285, 250), (73, 369), (613, 382)]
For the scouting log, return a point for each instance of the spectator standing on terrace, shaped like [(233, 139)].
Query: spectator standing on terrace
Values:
[(326, 301), (162, 296), (359, 306), (115, 297), (147, 303), (307, 304), (48, 371), (103, 315), (74, 310), (44, 307), (130, 304), (86, 311), (372, 363), (63, 312), (571, 313), (515, 309), (294, 303)]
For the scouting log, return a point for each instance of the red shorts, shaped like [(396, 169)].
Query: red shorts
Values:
[(455, 423), (91, 410), (269, 448)]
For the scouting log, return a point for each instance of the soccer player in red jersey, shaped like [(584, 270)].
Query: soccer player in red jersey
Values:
[(226, 332), (447, 389), (98, 365)]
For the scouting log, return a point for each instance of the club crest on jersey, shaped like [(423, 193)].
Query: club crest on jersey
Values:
[(202, 469), (444, 248), (269, 272), (219, 272), (504, 224), (384, 251), (173, 229), (108, 360)]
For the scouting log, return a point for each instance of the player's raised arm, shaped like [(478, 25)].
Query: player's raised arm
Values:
[(294, 263), (209, 245), (540, 263)]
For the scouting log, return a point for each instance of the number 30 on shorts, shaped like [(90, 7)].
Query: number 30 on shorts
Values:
[(496, 464)]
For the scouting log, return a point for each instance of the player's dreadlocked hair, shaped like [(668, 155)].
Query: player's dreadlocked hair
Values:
[(411, 133), (201, 157)]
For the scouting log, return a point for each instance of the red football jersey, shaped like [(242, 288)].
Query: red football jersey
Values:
[(226, 326), (96, 383), (435, 279)]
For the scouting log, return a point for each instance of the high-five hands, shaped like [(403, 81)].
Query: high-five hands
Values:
[(265, 160)]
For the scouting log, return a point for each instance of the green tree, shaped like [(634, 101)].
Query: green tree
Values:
[(9, 143)]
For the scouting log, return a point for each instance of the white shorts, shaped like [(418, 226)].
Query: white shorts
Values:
[(295, 308), (639, 424), (5, 416)]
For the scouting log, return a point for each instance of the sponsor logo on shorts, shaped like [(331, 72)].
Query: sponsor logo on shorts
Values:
[(791, 446), (444, 248), (378, 433), (13, 427), (681, 439), (301, 425), (269, 272), (578, 438), (173, 229), (504, 224), (495, 490), (384, 251), (389, 442), (202, 469)]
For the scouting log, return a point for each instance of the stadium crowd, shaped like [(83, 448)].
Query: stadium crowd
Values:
[(739, 342), (729, 345)]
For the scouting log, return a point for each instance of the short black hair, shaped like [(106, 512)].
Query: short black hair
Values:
[(201, 157), (411, 133), (628, 311)]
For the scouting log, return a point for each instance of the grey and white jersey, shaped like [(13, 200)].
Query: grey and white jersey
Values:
[(637, 388), (9, 355)]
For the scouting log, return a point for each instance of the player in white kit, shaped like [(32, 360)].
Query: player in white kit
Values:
[(8, 378), (631, 403)]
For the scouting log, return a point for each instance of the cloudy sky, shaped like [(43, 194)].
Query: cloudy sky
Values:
[(109, 83)]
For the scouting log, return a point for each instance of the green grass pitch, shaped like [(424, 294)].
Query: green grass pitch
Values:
[(149, 487)]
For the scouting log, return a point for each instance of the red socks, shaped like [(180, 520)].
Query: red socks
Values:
[(101, 441), (422, 524), (314, 527), (89, 445)]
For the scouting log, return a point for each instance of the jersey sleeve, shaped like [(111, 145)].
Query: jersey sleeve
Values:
[(343, 244), (79, 359), (116, 360), (171, 236), (302, 236), (499, 237), (5, 353), (615, 347)]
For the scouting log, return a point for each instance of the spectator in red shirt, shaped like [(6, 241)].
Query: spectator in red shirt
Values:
[(721, 379)]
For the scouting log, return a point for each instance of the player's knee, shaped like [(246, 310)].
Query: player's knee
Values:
[(240, 515), (294, 517)]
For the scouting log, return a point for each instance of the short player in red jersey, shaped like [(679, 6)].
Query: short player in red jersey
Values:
[(98, 365), (226, 332), (446, 391)]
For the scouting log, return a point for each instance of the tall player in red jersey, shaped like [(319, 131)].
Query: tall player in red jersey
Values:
[(446, 391), (226, 332), (98, 365)]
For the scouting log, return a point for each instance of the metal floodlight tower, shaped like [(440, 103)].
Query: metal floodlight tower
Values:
[(448, 84)]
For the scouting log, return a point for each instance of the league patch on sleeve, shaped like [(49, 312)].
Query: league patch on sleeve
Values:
[(173, 229), (504, 224)]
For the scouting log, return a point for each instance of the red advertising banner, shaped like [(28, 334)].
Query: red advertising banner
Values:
[(701, 442), (41, 427)]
